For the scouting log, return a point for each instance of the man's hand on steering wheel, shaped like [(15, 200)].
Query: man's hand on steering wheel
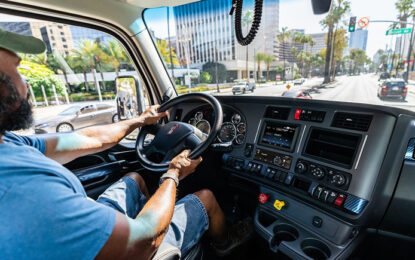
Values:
[(182, 165), (151, 115)]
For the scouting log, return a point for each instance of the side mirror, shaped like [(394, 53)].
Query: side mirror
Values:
[(321, 6), (130, 97)]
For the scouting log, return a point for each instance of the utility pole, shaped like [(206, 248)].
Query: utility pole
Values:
[(408, 58)]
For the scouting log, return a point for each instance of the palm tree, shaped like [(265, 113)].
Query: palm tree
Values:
[(246, 21), (259, 57), (331, 21), (268, 59), (282, 37), (404, 8), (77, 63), (89, 50), (115, 54)]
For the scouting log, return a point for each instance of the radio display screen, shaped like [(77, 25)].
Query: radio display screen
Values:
[(282, 136)]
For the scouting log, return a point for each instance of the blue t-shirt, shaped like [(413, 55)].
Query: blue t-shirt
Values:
[(44, 210)]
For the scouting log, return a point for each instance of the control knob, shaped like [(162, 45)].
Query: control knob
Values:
[(277, 160), (318, 173), (301, 167), (338, 179)]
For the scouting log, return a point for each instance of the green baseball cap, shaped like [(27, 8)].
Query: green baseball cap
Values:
[(20, 43)]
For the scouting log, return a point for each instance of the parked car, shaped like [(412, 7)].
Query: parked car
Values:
[(243, 87), (78, 116), (394, 88), (296, 94), (384, 76), (262, 80), (299, 81)]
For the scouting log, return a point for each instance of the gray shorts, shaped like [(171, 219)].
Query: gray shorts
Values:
[(189, 222)]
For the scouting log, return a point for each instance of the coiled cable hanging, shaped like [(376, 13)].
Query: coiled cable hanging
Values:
[(237, 8)]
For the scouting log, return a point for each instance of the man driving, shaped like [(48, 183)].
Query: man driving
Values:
[(45, 212)]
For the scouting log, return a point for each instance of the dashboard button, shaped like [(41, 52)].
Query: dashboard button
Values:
[(340, 200), (317, 221), (289, 179), (272, 174), (277, 175), (318, 173), (317, 191), (337, 179), (301, 167), (283, 175), (332, 197), (324, 194)]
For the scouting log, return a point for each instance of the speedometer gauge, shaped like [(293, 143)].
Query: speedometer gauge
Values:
[(227, 132), (236, 119), (203, 126)]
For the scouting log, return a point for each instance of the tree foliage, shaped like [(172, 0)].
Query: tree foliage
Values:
[(210, 67), (38, 75), (164, 50), (205, 77)]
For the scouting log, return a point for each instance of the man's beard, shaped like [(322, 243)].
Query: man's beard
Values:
[(13, 119)]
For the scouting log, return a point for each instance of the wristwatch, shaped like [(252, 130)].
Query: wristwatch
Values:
[(169, 176)]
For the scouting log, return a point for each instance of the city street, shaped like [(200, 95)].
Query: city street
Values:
[(360, 89)]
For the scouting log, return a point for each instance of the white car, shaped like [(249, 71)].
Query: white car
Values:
[(243, 87)]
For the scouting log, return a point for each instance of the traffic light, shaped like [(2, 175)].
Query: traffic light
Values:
[(352, 24)]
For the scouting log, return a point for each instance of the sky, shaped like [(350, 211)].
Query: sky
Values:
[(297, 14)]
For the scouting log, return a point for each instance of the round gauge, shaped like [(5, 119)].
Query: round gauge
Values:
[(239, 139), (203, 126), (236, 119), (241, 128), (192, 121), (199, 116), (227, 132)]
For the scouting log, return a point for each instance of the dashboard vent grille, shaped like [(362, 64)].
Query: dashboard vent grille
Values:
[(352, 121), (281, 113)]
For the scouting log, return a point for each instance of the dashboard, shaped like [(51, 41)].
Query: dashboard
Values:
[(326, 169), (233, 127)]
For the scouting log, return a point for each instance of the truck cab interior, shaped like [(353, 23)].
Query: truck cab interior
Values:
[(321, 179)]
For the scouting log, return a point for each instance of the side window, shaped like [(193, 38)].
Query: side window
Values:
[(88, 109), (80, 65)]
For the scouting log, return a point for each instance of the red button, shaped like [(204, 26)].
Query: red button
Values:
[(339, 200), (297, 114), (263, 198)]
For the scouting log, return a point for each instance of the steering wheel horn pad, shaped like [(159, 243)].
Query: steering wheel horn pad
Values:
[(171, 138)]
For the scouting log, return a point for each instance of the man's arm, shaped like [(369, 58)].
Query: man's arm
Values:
[(139, 238), (66, 147)]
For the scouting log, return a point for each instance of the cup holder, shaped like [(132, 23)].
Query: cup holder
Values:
[(315, 249), (284, 232)]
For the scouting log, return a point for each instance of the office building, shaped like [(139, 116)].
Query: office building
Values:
[(205, 33), (17, 27), (320, 43), (82, 33), (358, 39)]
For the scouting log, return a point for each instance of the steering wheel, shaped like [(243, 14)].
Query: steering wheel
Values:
[(173, 137)]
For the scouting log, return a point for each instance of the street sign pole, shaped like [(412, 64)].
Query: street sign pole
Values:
[(411, 44)]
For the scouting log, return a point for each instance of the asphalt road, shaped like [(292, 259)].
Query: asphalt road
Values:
[(359, 89)]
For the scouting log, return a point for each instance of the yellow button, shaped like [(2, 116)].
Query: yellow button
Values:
[(279, 204)]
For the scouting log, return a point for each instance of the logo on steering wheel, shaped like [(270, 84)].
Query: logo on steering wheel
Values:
[(173, 129)]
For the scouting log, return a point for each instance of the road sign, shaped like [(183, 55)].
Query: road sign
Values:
[(363, 22), (398, 31), (278, 77)]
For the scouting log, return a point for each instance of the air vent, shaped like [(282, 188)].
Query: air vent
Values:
[(281, 113), (352, 121)]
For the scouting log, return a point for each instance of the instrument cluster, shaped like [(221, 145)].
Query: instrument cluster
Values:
[(233, 127)]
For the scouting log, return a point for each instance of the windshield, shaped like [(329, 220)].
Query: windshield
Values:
[(343, 55), (70, 111)]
